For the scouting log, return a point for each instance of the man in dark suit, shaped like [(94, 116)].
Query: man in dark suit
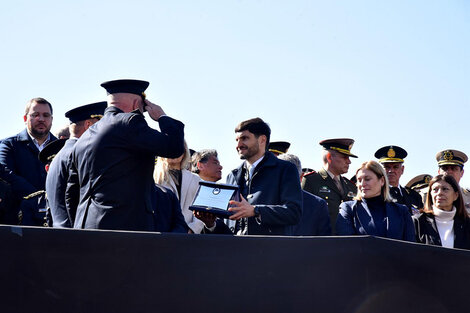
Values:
[(271, 197), (315, 220), (328, 182), (81, 118), (110, 182), (392, 159), (20, 155)]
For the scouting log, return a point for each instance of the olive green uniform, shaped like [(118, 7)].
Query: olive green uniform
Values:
[(322, 185)]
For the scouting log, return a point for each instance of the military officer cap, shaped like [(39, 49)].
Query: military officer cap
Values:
[(391, 154), (134, 86), (451, 157), (419, 182), (306, 170), (84, 112), (341, 145), (279, 147), (50, 150)]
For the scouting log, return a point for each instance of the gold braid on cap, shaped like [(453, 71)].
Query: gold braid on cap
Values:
[(96, 116), (340, 150), (276, 151), (383, 160)]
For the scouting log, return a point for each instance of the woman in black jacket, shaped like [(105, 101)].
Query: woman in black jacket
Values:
[(443, 221)]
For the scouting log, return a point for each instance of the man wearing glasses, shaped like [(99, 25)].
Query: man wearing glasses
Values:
[(19, 154)]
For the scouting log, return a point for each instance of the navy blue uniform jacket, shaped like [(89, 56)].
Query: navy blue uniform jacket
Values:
[(110, 180), (19, 154), (354, 218), (315, 219), (427, 233), (167, 211), (56, 183), (275, 190)]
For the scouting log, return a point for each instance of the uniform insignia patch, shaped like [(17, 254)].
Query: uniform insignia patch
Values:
[(448, 155), (391, 153), (324, 189)]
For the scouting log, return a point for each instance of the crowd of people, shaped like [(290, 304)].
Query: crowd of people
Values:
[(110, 170)]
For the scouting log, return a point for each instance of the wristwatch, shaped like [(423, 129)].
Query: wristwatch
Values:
[(256, 209)]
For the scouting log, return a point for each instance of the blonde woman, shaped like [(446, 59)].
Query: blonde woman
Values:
[(373, 212), (172, 173)]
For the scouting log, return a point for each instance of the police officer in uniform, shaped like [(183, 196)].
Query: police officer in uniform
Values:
[(328, 183), (278, 147), (451, 162), (392, 159), (110, 179), (34, 209), (81, 118), (420, 184)]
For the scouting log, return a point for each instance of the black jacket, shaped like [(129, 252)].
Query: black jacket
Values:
[(427, 233), (110, 181)]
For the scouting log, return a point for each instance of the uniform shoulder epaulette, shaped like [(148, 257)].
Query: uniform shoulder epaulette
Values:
[(309, 173), (466, 190)]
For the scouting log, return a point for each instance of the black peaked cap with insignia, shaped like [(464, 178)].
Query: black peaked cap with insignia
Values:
[(419, 182), (279, 147), (50, 150), (84, 112), (451, 157), (391, 154), (133, 86), (341, 145)]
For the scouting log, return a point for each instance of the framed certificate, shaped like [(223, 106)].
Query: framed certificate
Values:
[(214, 198)]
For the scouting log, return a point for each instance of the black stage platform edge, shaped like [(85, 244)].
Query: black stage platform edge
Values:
[(62, 270)]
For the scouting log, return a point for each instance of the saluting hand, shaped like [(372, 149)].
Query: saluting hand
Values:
[(155, 111), (241, 209)]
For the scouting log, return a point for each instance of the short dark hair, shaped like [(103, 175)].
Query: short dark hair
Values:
[(37, 100), (458, 203), (201, 156), (255, 126)]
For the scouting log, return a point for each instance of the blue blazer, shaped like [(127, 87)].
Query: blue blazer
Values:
[(26, 173), (20, 155), (354, 218), (315, 220), (167, 211), (275, 190)]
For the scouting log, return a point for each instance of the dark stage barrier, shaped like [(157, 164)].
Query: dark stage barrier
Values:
[(54, 270)]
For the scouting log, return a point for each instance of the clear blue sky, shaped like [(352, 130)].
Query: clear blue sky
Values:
[(381, 72)]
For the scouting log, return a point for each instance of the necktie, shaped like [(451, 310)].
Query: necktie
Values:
[(338, 184)]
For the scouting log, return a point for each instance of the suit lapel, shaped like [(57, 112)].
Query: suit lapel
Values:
[(365, 218), (459, 233), (432, 230)]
